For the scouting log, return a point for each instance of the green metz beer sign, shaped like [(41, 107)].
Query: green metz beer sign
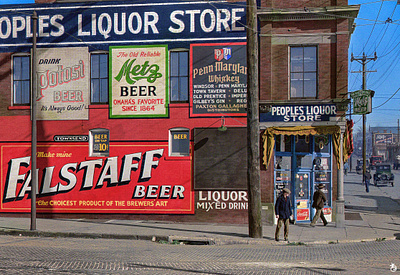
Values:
[(362, 101)]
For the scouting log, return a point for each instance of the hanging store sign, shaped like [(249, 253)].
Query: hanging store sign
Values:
[(218, 83), (62, 84), (139, 81), (297, 113), (362, 101), (135, 179)]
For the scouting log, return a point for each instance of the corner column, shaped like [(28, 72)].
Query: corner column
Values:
[(340, 186)]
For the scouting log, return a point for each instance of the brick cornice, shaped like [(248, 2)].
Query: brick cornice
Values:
[(308, 13)]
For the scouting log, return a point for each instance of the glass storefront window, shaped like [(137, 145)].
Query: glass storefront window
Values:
[(283, 143), (321, 163), (283, 162), (303, 144), (321, 144), (304, 161)]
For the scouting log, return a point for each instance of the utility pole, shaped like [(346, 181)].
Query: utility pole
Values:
[(253, 132), (34, 177), (364, 60)]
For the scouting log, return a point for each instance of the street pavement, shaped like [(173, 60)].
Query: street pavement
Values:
[(372, 216)]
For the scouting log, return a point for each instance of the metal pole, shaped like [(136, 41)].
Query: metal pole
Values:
[(364, 60), (34, 177), (253, 132), (350, 159), (364, 86)]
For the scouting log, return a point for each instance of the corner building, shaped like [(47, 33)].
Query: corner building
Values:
[(303, 100), (140, 107)]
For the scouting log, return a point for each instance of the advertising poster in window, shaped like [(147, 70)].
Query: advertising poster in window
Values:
[(218, 82), (136, 178), (138, 81), (63, 78)]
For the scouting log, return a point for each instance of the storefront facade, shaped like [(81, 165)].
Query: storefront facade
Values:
[(303, 102), (140, 109)]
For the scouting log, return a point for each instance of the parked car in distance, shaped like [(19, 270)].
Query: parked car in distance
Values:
[(374, 160), (383, 174), (359, 166)]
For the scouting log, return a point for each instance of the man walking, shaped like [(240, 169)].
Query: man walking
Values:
[(319, 200), (283, 213), (367, 178)]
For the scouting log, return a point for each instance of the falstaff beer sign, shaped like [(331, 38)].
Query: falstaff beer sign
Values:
[(138, 81), (135, 179), (218, 79), (63, 83)]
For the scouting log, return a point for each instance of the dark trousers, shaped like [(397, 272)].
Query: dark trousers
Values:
[(285, 230), (319, 214), (366, 185)]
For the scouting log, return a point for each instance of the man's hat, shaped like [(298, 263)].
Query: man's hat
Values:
[(320, 186), (286, 190)]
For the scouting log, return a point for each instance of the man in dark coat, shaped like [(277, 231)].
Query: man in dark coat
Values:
[(319, 200), (283, 212)]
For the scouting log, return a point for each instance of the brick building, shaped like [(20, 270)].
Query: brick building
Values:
[(303, 97), (141, 106)]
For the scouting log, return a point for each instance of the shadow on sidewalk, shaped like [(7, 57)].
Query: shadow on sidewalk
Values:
[(385, 205), (164, 227)]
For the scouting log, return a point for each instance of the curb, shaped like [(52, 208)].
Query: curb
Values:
[(184, 240), (28, 233)]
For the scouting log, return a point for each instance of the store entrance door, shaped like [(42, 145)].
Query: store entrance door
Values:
[(302, 196)]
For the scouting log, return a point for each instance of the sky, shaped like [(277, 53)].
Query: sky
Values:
[(377, 30)]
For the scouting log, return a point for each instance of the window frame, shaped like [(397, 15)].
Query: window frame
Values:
[(303, 72), (172, 153), (179, 77), (99, 78), (13, 98)]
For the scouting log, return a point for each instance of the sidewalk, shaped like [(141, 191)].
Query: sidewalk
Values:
[(369, 217)]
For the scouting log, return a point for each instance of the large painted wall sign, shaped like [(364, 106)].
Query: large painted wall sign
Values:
[(218, 82)]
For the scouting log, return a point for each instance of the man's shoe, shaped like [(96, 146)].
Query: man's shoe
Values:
[(286, 239), (276, 239), (312, 225), (325, 224)]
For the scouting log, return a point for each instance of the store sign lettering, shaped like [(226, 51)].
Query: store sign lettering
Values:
[(60, 76), (137, 72), (124, 21), (298, 113), (217, 200), (68, 179)]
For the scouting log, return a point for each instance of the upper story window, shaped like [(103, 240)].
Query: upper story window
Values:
[(99, 78), (303, 71), (21, 80), (179, 76)]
